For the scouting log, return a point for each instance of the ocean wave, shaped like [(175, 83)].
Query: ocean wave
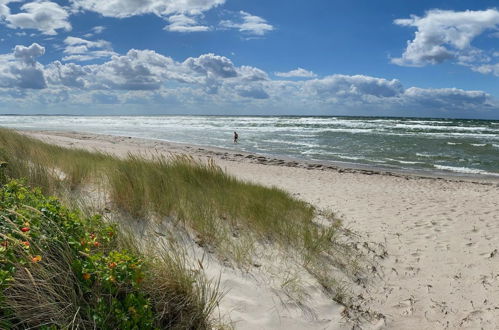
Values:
[(350, 157), (471, 135), (295, 143), (479, 144), (344, 130), (444, 128), (464, 170), (428, 122), (404, 161), (440, 135), (426, 155)]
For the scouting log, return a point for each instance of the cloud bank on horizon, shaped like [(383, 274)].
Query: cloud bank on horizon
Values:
[(65, 67)]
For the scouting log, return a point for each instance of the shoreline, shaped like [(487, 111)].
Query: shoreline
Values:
[(278, 160)]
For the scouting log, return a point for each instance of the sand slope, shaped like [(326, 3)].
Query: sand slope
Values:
[(442, 239), (442, 236)]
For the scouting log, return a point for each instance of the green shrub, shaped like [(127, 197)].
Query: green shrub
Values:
[(42, 241), (61, 270), (58, 268)]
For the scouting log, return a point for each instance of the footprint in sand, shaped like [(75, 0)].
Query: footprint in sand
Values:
[(406, 307)]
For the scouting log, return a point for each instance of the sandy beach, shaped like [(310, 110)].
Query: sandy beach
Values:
[(441, 236)]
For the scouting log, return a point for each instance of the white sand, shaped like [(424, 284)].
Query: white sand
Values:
[(442, 238)]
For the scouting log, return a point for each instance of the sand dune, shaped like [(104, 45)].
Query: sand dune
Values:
[(441, 235)]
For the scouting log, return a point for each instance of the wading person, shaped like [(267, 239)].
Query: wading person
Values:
[(235, 137)]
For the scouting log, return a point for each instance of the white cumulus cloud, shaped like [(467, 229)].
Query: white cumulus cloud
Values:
[(249, 73), (252, 91), (354, 86), (44, 16), (4, 9), (184, 23), (218, 66), (20, 69), (445, 34), (487, 69), (79, 49), (249, 24), (98, 29), (69, 75), (447, 98), (29, 54), (137, 70), (297, 73), (128, 8)]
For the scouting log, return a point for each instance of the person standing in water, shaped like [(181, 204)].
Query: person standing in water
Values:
[(235, 137)]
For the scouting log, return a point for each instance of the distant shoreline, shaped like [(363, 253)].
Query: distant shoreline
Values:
[(246, 116), (279, 160)]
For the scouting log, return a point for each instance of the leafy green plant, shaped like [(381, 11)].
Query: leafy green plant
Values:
[(59, 269)]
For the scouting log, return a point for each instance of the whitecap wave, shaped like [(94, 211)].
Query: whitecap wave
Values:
[(350, 157), (443, 128), (464, 170), (404, 161), (425, 155)]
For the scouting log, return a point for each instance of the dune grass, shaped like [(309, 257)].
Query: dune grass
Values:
[(199, 195), (221, 213)]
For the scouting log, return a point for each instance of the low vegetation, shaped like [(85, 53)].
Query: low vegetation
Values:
[(201, 196), (220, 213), (61, 270)]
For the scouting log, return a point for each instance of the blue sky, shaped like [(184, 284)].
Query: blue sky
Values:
[(316, 57)]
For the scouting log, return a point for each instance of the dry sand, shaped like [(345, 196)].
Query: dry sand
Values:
[(441, 235)]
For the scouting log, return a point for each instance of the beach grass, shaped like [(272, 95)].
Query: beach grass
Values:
[(218, 211), (200, 195)]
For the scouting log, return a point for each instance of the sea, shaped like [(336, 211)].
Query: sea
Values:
[(434, 146)]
